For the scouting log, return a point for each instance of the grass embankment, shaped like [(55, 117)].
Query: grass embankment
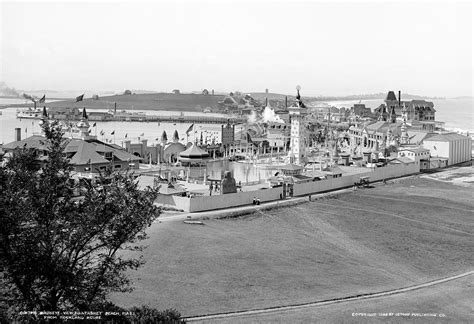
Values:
[(365, 241)]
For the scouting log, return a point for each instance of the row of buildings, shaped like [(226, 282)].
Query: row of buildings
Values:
[(394, 127)]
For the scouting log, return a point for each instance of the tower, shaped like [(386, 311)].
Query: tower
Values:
[(164, 139), (393, 115), (389, 138), (383, 114), (83, 125), (175, 136), (297, 137), (404, 139)]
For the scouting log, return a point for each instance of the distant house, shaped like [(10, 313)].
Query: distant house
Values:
[(176, 91), (361, 110), (417, 154)]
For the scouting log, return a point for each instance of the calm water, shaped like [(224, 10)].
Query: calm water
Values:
[(151, 131)]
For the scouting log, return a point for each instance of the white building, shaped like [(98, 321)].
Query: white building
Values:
[(455, 147), (415, 154)]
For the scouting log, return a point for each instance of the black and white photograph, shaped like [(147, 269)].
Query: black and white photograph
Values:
[(266, 161)]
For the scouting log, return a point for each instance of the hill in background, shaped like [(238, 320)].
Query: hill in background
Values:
[(147, 101)]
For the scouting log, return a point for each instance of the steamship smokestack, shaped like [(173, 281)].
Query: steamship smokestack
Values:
[(399, 98)]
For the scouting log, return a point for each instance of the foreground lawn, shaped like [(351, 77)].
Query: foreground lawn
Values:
[(369, 240), (450, 302)]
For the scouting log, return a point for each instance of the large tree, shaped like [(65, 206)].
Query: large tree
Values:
[(62, 240)]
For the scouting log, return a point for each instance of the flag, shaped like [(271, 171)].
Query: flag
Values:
[(42, 99), (190, 129), (113, 133), (142, 134), (80, 98), (95, 124), (126, 135)]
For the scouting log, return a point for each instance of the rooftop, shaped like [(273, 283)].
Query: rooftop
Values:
[(414, 149), (446, 137), (391, 96), (85, 151)]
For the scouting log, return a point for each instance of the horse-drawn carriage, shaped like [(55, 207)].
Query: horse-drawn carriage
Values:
[(362, 183)]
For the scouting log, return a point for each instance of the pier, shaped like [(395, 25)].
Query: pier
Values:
[(171, 119)]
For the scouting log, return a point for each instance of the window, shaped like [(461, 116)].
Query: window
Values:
[(117, 166)]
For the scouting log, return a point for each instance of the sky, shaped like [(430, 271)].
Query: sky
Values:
[(329, 48)]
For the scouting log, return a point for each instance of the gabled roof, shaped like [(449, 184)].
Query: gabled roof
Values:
[(86, 154), (417, 137), (413, 149), (35, 141), (446, 137), (85, 151), (391, 96), (403, 160), (377, 125)]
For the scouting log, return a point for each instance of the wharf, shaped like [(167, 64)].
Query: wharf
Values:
[(177, 119)]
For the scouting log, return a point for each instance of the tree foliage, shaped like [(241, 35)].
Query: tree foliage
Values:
[(59, 251)]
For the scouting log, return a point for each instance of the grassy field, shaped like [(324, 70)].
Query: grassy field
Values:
[(152, 101), (369, 240), (450, 303)]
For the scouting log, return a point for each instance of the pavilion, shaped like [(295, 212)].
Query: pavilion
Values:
[(194, 156)]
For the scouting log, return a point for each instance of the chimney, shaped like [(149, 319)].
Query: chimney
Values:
[(399, 98), (17, 134), (115, 107), (286, 101)]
